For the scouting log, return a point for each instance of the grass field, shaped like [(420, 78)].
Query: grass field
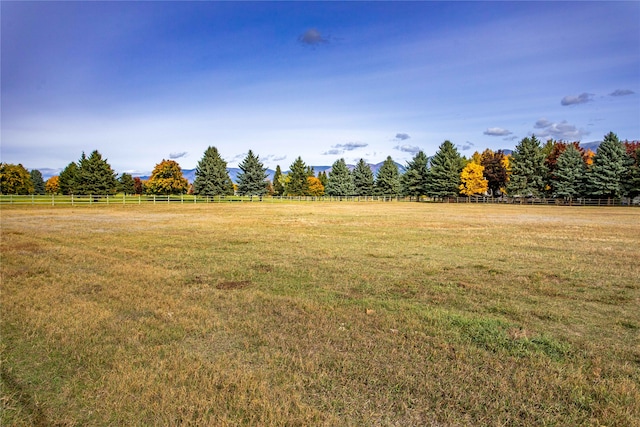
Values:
[(336, 314)]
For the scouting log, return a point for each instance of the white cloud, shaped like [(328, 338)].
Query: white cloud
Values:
[(179, 155), (574, 100), (621, 92), (497, 132), (407, 148), (402, 136), (563, 131)]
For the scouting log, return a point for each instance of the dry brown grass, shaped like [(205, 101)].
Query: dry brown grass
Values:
[(320, 314)]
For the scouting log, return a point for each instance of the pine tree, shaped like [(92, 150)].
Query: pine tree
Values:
[(632, 175), (414, 180), (569, 174), (495, 171), (127, 184), (95, 175), (37, 181), (252, 181), (388, 179), (444, 175), (340, 182), (297, 183), (322, 176), (606, 175), (362, 179), (167, 178), (278, 187), (527, 169), (68, 179), (212, 177)]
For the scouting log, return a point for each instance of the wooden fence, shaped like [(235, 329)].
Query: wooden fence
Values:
[(78, 200)]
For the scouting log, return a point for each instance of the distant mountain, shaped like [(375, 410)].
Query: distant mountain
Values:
[(593, 146)]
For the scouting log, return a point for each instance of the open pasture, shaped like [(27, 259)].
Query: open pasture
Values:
[(331, 314)]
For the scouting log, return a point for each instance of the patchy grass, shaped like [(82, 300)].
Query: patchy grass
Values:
[(320, 314)]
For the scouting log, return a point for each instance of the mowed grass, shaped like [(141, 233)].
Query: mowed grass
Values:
[(336, 314)]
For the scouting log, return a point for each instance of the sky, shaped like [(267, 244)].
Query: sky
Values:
[(145, 81)]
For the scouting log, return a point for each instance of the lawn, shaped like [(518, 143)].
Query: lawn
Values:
[(332, 314)]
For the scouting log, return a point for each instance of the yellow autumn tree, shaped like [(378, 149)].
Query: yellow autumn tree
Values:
[(52, 186), (472, 180), (315, 186), (167, 178), (476, 158)]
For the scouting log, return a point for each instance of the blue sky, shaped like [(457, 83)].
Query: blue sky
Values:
[(146, 81)]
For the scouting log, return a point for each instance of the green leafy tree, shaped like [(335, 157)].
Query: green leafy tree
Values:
[(69, 179), (278, 187), (167, 178), (415, 178), (568, 178), (606, 175), (495, 171), (252, 181), (127, 184), (444, 174), (95, 175), (297, 183), (387, 181), (363, 179), (212, 177), (527, 169), (15, 179), (340, 182), (37, 181)]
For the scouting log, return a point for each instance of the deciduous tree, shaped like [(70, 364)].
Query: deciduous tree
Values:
[(138, 185), (15, 179), (167, 178), (52, 186), (315, 186), (472, 180), (495, 170), (340, 182), (252, 181), (212, 177)]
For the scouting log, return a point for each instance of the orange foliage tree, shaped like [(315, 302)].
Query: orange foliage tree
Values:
[(52, 186), (167, 178)]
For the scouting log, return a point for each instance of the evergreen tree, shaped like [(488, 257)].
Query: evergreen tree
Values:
[(605, 178), (95, 175), (363, 179), (632, 175), (278, 187), (569, 174), (527, 169), (15, 179), (495, 171), (444, 175), (297, 183), (252, 181), (212, 177), (415, 179), (127, 184), (322, 176), (37, 181), (388, 179), (68, 179), (340, 182), (167, 178)]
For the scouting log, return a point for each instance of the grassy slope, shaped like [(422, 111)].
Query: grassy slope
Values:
[(320, 314)]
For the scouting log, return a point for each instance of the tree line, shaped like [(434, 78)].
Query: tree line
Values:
[(555, 169)]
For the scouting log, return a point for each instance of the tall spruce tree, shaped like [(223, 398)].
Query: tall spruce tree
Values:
[(388, 179), (278, 187), (68, 179), (495, 171), (340, 181), (322, 176), (212, 177), (527, 169), (632, 175), (95, 175), (605, 178), (297, 184), (568, 180), (362, 179), (37, 181), (415, 178), (444, 174), (252, 181)]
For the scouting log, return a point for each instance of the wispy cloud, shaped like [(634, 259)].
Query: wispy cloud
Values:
[(407, 148), (574, 100), (621, 92), (333, 152), (341, 148), (497, 132), (312, 37), (402, 136), (273, 158), (179, 155), (466, 146), (563, 130)]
